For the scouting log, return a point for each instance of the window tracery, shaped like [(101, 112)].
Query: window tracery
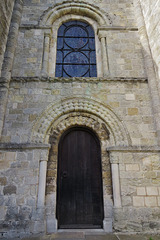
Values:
[(76, 55)]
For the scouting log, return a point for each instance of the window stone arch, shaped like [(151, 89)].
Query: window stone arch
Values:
[(78, 8), (67, 11)]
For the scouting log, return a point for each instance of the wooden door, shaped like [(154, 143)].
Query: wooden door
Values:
[(79, 186)]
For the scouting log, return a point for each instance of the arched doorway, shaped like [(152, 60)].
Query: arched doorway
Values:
[(79, 180)]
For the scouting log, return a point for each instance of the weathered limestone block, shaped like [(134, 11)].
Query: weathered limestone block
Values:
[(150, 201), (3, 181), (152, 191), (138, 201), (2, 212), (8, 190), (141, 191)]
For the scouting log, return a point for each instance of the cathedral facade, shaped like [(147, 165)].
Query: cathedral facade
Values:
[(79, 116)]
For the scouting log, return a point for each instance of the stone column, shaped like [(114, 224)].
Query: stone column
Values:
[(8, 58), (114, 160), (42, 179), (46, 54), (42, 183), (116, 185), (102, 37), (6, 13)]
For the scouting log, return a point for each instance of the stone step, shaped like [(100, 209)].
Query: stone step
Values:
[(94, 236)]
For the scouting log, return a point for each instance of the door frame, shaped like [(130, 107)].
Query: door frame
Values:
[(102, 133)]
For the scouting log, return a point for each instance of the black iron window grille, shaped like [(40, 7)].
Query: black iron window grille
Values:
[(76, 56)]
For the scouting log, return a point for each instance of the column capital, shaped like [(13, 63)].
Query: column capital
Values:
[(114, 158), (47, 33), (102, 33), (44, 155), (43, 160)]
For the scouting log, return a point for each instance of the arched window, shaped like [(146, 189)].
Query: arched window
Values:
[(76, 55)]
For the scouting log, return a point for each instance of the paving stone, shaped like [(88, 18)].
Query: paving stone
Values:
[(101, 237), (132, 237), (48, 237), (69, 236), (81, 236), (33, 238)]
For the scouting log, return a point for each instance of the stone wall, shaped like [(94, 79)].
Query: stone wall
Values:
[(19, 186), (139, 179), (124, 54), (6, 8), (129, 99), (151, 10), (123, 46), (29, 100)]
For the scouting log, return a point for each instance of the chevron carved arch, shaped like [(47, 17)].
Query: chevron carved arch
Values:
[(74, 7), (93, 108), (79, 119)]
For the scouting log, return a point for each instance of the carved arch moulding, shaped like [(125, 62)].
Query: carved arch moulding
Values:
[(78, 111), (80, 119), (74, 7)]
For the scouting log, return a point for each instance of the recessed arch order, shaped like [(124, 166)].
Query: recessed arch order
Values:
[(47, 121), (77, 8)]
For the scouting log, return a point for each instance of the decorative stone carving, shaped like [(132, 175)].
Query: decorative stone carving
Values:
[(79, 119), (76, 7), (42, 127)]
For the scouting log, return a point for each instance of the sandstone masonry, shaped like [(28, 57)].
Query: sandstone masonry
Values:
[(121, 106)]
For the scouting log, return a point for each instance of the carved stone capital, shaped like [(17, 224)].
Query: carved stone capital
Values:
[(102, 33)]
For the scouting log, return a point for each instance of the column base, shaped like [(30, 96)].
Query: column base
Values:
[(52, 225), (107, 225)]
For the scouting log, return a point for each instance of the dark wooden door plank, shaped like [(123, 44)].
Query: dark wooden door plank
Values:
[(79, 186)]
